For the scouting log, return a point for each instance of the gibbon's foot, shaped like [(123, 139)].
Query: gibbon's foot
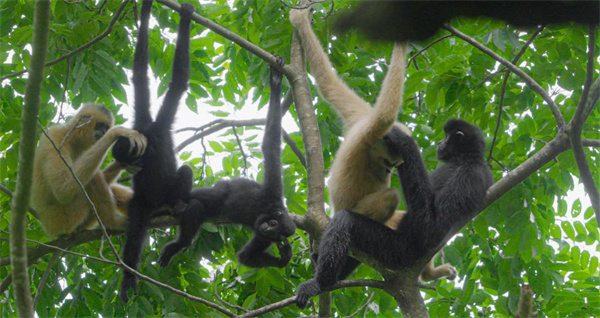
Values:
[(448, 271), (167, 253), (180, 207), (307, 290), (285, 250), (129, 281)]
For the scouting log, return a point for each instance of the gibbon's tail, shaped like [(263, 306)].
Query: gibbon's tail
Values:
[(271, 146), (180, 74), (141, 87)]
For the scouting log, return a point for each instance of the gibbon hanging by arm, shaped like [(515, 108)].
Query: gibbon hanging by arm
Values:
[(56, 196), (360, 172), (159, 182), (247, 202), (439, 205)]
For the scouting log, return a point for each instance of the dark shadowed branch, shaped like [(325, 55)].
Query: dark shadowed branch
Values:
[(410, 60), (28, 142), (288, 140), (81, 48), (576, 128)]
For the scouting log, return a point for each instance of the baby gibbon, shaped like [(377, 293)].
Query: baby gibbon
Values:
[(83, 141), (360, 173)]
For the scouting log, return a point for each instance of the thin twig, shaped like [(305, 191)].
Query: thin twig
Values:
[(365, 305), (79, 49), (44, 278), (237, 138), (80, 123), (505, 82), (219, 126), (294, 147), (560, 121), (61, 116), (240, 308), (312, 2), (426, 48)]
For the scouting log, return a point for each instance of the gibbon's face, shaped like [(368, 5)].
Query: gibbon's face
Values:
[(463, 140), (386, 151), (92, 122), (276, 226)]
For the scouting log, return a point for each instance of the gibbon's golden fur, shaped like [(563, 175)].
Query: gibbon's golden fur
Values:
[(56, 196), (360, 173)]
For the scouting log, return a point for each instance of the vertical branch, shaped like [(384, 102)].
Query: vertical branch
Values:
[(31, 107), (576, 128), (315, 216)]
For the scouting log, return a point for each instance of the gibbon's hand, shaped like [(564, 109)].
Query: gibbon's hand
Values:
[(137, 141), (285, 250), (298, 17)]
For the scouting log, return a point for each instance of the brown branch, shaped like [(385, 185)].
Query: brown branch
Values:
[(79, 49), (292, 300), (237, 138), (28, 142), (223, 123), (294, 147), (576, 128), (560, 121), (525, 306), (503, 89), (591, 143)]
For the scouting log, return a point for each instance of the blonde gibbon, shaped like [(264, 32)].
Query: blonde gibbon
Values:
[(360, 173), (84, 141)]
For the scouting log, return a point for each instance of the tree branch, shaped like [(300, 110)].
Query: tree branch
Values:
[(560, 121), (81, 48), (294, 147), (503, 89), (10, 194), (426, 48), (20, 202), (576, 128)]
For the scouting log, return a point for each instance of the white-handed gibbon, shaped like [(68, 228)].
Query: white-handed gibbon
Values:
[(159, 182), (439, 205), (258, 206), (84, 141), (360, 173)]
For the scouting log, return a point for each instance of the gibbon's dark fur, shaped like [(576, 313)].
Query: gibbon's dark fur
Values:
[(159, 182), (401, 20), (359, 177), (246, 202), (438, 206)]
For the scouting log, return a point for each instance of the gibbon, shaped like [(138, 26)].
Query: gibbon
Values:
[(159, 182), (439, 205), (83, 141), (360, 173), (246, 202), (399, 20)]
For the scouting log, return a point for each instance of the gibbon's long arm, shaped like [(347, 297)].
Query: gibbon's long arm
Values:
[(347, 103), (141, 90), (271, 145), (85, 166), (180, 73), (388, 103)]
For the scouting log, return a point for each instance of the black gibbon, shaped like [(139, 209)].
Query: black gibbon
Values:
[(84, 141), (402, 20), (360, 172), (439, 205), (159, 182), (247, 202)]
